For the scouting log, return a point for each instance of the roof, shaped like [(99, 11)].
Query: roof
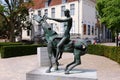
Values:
[(41, 3)]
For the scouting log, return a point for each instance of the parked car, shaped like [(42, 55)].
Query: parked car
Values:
[(92, 40)]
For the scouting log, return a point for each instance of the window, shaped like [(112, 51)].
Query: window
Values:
[(39, 12), (95, 31), (47, 2), (53, 12), (72, 9), (46, 12), (62, 10), (92, 30), (64, 1), (73, 27), (84, 29), (88, 29), (28, 32)]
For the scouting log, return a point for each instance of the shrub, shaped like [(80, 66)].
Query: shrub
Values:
[(118, 55), (95, 49), (18, 50), (8, 44), (111, 52)]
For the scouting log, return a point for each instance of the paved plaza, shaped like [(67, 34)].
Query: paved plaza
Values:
[(16, 68)]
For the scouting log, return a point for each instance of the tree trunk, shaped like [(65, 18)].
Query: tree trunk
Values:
[(12, 35)]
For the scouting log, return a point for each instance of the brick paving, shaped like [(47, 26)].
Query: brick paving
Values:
[(16, 68)]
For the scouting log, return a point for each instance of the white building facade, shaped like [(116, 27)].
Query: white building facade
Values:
[(83, 13)]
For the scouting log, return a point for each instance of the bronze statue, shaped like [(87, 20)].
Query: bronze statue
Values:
[(77, 47), (66, 36)]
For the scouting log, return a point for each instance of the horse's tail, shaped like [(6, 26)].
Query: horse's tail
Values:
[(80, 45)]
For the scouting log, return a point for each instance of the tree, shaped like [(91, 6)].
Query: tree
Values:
[(3, 30), (14, 13), (109, 14)]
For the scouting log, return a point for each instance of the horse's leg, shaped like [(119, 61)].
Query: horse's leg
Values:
[(60, 55), (49, 48), (56, 61), (69, 65), (76, 63), (49, 69), (56, 64), (76, 59)]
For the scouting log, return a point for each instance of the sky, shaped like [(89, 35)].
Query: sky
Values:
[(1, 0)]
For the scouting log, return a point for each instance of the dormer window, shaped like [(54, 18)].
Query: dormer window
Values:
[(47, 2), (64, 1)]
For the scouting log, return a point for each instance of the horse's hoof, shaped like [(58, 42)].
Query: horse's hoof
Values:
[(59, 58), (66, 69), (67, 72), (56, 69), (48, 71)]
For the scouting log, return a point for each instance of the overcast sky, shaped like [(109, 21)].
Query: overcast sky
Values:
[(1, 0)]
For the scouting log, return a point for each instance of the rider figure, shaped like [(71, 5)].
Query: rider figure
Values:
[(67, 27)]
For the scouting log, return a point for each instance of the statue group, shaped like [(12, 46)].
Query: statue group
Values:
[(57, 45)]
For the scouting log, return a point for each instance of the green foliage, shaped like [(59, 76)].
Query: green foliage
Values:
[(14, 13), (111, 52), (19, 50), (109, 12), (8, 44), (92, 50)]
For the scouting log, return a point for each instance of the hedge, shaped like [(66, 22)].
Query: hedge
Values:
[(8, 44), (18, 50), (111, 52)]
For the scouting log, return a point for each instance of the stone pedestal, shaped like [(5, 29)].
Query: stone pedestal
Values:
[(75, 74), (42, 55), (40, 73)]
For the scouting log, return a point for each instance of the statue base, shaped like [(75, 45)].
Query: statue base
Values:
[(75, 74)]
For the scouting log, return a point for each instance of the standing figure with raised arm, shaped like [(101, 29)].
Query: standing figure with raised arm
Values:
[(66, 36)]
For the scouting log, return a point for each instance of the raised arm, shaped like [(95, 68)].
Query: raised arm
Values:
[(60, 20)]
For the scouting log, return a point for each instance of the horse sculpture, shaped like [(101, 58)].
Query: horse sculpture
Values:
[(77, 47)]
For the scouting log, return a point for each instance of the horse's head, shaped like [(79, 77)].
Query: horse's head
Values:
[(37, 18), (48, 31)]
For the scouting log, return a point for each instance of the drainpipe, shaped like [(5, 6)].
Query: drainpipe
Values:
[(78, 16)]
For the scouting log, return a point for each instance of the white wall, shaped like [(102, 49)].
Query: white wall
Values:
[(25, 36), (88, 16)]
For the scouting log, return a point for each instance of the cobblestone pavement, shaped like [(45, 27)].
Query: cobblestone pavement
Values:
[(17, 67)]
